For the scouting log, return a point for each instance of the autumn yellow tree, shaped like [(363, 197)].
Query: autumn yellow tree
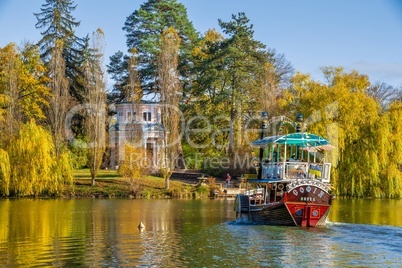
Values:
[(170, 92), (5, 171), (59, 100), (23, 94), (390, 148), (133, 93), (34, 168), (95, 97), (341, 110), (29, 163), (135, 163)]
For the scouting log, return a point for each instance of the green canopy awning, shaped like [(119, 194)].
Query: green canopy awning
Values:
[(302, 139)]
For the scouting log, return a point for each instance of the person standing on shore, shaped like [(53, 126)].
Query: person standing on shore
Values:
[(228, 179)]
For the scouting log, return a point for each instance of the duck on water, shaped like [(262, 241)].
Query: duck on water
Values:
[(291, 187)]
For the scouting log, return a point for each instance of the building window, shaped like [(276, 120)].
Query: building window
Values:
[(129, 117), (146, 116), (120, 116)]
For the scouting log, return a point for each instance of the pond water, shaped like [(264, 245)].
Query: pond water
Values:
[(192, 233)]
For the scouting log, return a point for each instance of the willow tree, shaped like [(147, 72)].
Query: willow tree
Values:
[(170, 93), (358, 115), (22, 98), (342, 110), (95, 98), (391, 146), (34, 167), (5, 173)]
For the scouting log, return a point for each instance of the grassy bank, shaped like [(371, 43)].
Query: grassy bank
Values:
[(110, 185)]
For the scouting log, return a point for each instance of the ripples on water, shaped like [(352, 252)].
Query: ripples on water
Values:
[(336, 245), (180, 234)]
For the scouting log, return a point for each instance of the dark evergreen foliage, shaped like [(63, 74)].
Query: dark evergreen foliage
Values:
[(57, 23), (117, 69), (144, 28)]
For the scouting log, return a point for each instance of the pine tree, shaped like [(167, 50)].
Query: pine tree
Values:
[(242, 60), (57, 25), (235, 77), (118, 71), (144, 28)]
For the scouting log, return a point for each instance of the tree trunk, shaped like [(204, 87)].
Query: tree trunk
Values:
[(231, 131)]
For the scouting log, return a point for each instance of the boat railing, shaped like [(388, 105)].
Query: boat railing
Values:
[(272, 171), (256, 196), (254, 191), (297, 170), (249, 192)]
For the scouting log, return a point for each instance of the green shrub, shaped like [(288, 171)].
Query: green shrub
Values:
[(202, 190)]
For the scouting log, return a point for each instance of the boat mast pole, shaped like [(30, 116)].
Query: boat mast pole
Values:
[(264, 126), (299, 128)]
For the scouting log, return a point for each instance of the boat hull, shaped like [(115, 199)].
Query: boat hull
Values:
[(308, 215), (304, 205), (272, 215)]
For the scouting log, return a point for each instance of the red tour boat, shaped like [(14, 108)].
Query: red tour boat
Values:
[(293, 191)]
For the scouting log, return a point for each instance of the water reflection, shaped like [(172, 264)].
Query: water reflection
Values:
[(190, 233), (101, 232), (371, 211)]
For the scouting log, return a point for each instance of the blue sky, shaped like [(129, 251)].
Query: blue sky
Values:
[(364, 35)]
